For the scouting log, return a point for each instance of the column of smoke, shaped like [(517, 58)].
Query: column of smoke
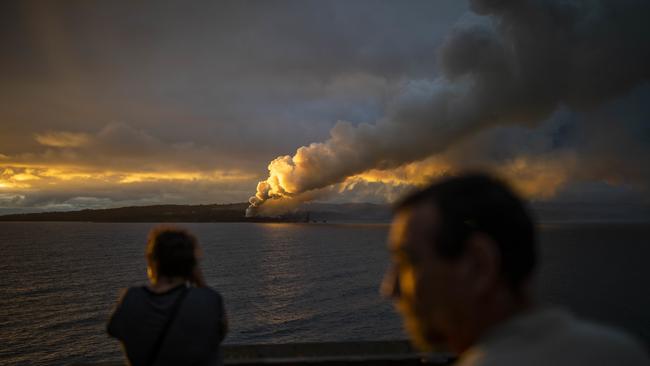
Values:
[(516, 67)]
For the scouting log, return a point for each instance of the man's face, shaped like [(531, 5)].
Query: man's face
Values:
[(426, 288)]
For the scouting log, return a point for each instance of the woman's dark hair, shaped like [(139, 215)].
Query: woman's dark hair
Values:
[(173, 250), (478, 202)]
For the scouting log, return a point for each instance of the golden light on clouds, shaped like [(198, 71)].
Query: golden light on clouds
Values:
[(534, 178), (16, 178), (537, 178), (416, 173), (31, 178), (68, 175), (63, 139), (220, 176)]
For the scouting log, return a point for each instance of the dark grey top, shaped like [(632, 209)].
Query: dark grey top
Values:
[(193, 337)]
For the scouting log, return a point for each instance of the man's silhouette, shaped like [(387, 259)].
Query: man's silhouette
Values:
[(463, 253)]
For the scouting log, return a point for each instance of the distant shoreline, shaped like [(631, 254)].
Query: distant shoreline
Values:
[(546, 214), (158, 213), (227, 213), (244, 220)]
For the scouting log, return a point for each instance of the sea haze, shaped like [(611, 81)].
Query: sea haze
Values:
[(281, 282)]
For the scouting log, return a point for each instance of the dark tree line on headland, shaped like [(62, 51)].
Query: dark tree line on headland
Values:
[(160, 213)]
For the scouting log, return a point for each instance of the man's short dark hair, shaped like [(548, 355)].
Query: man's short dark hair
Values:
[(478, 202), (173, 249)]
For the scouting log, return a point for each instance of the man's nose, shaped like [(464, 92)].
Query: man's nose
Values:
[(390, 284)]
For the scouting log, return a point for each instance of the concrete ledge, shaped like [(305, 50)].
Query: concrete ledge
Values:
[(329, 354)]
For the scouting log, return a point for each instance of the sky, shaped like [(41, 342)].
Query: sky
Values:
[(119, 103)]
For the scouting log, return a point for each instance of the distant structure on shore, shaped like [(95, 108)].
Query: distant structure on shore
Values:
[(251, 211)]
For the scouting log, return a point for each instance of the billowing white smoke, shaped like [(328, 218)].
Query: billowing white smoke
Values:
[(519, 64)]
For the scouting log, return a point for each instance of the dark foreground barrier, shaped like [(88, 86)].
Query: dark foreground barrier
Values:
[(334, 353), (330, 354)]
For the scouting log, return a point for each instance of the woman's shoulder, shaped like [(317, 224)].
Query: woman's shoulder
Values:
[(206, 295), (135, 293)]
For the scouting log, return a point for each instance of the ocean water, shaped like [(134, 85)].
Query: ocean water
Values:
[(281, 282)]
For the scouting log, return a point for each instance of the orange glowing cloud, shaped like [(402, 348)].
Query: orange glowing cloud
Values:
[(538, 178), (416, 174), (534, 178), (33, 178), (216, 175)]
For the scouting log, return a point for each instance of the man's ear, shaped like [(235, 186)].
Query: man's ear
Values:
[(481, 264)]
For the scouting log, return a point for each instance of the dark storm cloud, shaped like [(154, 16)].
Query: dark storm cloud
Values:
[(601, 153), (228, 72)]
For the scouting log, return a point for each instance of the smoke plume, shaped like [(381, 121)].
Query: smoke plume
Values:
[(515, 62)]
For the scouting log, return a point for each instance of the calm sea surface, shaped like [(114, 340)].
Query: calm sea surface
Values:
[(281, 282)]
